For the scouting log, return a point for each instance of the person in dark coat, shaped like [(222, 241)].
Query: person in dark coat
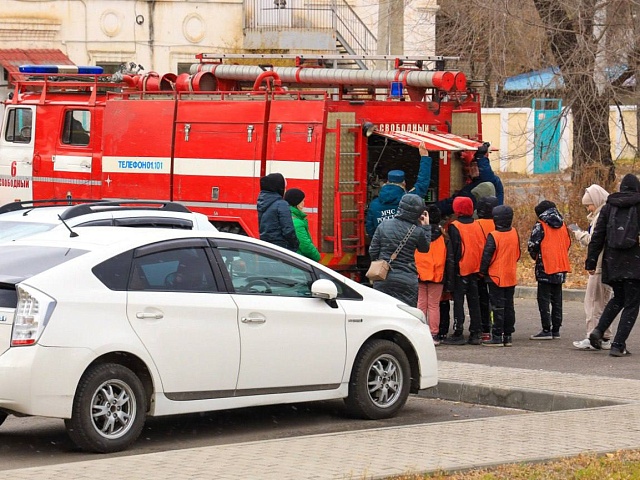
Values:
[(385, 205), (274, 216), (549, 246), (486, 173), (499, 267), (620, 269), (402, 279)]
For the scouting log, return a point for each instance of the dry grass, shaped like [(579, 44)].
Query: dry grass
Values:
[(621, 465)]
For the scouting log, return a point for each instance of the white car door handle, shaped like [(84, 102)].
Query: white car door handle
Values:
[(253, 320), (157, 316)]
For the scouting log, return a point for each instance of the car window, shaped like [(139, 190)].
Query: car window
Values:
[(18, 126), (19, 262), (253, 272), (177, 270), (114, 273), (14, 230)]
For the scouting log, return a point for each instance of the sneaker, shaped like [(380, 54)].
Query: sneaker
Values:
[(436, 340), (584, 344), (606, 344), (506, 340), (542, 336), (619, 352), (555, 335), (475, 339), (496, 341), (595, 339), (455, 339), (486, 337)]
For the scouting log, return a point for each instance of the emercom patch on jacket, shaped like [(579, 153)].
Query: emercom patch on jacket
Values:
[(622, 227)]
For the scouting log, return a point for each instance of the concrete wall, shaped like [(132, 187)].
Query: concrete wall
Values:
[(511, 132)]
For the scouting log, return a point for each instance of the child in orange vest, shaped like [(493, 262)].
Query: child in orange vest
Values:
[(549, 247), (466, 242), (484, 209), (498, 265), (431, 273)]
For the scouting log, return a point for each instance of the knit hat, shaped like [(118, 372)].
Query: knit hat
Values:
[(463, 206), (274, 182), (294, 196), (395, 176), (485, 206), (543, 206)]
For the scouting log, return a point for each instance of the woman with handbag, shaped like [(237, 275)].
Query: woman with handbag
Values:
[(396, 241)]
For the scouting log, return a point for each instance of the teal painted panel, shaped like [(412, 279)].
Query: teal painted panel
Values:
[(546, 128)]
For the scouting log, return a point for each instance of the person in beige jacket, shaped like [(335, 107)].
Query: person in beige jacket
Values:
[(597, 294)]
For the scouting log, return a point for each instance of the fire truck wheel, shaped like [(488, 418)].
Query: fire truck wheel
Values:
[(3, 417), (380, 381), (109, 409)]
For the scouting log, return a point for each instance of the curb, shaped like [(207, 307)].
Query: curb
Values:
[(568, 294)]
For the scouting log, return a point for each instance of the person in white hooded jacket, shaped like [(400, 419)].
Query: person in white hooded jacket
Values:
[(597, 294)]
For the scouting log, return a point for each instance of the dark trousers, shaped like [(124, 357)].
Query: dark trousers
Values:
[(504, 313), (466, 287), (550, 305), (445, 317), (626, 298), (485, 307)]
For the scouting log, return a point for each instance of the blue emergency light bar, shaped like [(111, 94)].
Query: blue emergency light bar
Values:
[(72, 69)]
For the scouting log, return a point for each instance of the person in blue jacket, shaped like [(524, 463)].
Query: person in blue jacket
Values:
[(485, 172), (274, 216), (385, 205)]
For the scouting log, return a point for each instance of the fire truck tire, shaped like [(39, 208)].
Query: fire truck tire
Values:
[(109, 409), (380, 381), (3, 417)]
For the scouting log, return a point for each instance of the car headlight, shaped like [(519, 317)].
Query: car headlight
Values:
[(416, 312), (31, 316)]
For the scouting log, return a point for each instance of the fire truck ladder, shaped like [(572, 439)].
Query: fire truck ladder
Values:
[(349, 197)]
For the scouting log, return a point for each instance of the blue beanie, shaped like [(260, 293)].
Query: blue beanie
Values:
[(395, 176)]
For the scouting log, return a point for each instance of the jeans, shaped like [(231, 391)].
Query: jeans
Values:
[(550, 305), (626, 298)]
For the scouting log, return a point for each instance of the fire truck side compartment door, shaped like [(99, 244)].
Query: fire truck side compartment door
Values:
[(16, 154)]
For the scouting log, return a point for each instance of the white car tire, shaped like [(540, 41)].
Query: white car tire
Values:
[(380, 381), (109, 409)]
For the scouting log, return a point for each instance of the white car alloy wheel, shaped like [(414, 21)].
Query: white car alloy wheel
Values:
[(109, 409), (380, 380)]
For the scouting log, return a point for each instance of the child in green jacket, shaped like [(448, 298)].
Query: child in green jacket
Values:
[(295, 197)]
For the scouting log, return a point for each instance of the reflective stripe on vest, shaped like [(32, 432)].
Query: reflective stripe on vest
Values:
[(473, 241), (554, 249), (430, 265), (503, 266)]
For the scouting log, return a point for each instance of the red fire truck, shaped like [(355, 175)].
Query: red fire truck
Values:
[(205, 138)]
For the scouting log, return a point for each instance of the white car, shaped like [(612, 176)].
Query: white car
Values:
[(20, 219), (114, 325)]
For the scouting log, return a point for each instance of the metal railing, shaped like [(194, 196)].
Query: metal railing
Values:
[(335, 16)]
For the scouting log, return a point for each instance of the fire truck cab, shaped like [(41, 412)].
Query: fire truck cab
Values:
[(205, 138)]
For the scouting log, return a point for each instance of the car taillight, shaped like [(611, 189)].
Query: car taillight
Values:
[(31, 316)]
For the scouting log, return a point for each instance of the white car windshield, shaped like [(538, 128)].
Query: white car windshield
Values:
[(13, 230)]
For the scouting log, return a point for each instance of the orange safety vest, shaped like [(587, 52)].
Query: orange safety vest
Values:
[(554, 249), (487, 225), (430, 265), (503, 266), (473, 242)]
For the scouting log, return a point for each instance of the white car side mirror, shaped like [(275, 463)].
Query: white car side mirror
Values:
[(324, 289)]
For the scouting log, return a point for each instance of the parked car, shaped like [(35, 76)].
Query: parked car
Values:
[(113, 325), (20, 219)]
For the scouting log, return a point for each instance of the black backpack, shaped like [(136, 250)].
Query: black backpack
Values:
[(622, 227)]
